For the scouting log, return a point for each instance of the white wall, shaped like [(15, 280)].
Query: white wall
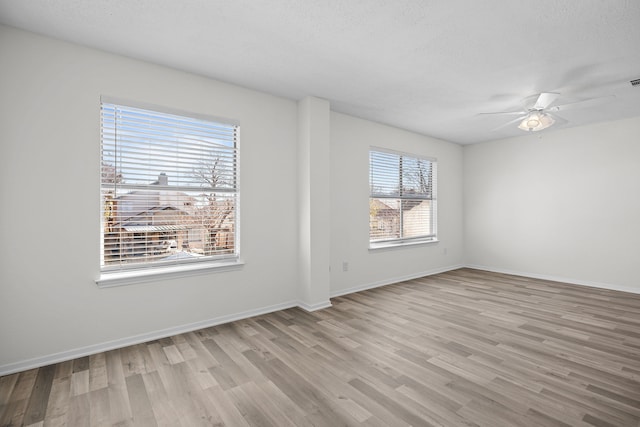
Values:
[(314, 214), (49, 208), (566, 205), (562, 204), (351, 139)]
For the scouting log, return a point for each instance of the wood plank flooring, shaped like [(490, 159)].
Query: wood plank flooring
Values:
[(463, 348)]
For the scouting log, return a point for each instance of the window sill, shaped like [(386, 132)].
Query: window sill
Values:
[(394, 245), (122, 278)]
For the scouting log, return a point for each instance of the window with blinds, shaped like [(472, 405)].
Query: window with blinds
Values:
[(169, 188), (402, 198)]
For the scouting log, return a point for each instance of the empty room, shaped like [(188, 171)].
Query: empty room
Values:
[(320, 213)]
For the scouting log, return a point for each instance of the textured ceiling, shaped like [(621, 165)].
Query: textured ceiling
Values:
[(429, 66)]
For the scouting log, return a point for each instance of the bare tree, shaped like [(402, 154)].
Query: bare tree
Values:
[(109, 175), (416, 183), (424, 177), (212, 173), (215, 209), (418, 178)]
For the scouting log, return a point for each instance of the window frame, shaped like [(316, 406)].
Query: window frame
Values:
[(117, 275), (432, 237)]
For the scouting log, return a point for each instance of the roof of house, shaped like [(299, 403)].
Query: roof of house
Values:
[(377, 204)]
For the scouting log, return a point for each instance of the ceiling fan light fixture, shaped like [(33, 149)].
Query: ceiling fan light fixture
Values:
[(535, 121)]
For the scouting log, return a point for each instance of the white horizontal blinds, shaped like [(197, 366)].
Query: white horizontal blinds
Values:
[(384, 219), (141, 144), (416, 176), (168, 188), (402, 197), (384, 174)]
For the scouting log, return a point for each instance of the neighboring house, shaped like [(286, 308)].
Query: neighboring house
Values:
[(418, 217), (142, 225), (384, 220)]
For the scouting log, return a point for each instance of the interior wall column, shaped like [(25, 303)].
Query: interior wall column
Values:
[(314, 203)]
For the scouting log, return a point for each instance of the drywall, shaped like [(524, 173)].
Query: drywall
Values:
[(563, 204), (351, 139), (313, 202), (49, 178)]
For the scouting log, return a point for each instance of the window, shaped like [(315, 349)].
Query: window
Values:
[(402, 198), (169, 189)]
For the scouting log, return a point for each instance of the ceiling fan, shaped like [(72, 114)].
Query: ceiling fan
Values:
[(538, 111)]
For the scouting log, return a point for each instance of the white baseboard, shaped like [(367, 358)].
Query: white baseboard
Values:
[(390, 281), (571, 281), (142, 338), (163, 333), (314, 307)]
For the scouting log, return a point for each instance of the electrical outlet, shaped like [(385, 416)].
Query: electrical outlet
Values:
[(444, 251), (345, 266)]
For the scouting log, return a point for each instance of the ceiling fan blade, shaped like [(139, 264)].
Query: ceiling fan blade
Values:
[(545, 99), (503, 113), (514, 121), (586, 103)]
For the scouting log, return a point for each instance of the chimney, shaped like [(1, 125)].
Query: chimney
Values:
[(163, 179)]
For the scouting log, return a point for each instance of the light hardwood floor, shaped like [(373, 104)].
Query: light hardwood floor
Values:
[(463, 348)]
